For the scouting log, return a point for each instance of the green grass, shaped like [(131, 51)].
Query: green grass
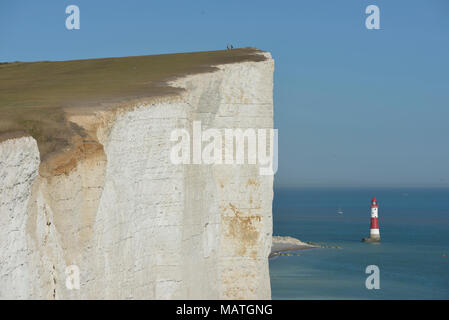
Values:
[(33, 95)]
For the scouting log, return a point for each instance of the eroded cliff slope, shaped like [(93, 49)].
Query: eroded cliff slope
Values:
[(111, 203)]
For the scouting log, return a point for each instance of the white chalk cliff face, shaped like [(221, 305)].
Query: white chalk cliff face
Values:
[(136, 225)]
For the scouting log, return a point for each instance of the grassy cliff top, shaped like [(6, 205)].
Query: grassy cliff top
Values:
[(34, 96)]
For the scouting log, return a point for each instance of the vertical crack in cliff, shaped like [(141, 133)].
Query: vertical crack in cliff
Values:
[(53, 275)]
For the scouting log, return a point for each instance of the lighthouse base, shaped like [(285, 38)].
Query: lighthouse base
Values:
[(371, 239)]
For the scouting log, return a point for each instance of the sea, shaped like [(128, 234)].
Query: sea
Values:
[(412, 258)]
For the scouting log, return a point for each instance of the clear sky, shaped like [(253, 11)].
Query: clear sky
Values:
[(354, 107)]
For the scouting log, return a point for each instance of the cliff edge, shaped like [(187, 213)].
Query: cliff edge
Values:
[(86, 182)]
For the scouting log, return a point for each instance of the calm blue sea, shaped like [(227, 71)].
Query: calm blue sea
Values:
[(413, 256)]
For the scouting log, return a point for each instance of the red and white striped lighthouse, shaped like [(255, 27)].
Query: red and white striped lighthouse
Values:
[(374, 235)]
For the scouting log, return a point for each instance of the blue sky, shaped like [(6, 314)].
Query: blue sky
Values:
[(354, 107)]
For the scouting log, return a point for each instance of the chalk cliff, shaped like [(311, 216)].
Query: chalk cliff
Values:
[(134, 224)]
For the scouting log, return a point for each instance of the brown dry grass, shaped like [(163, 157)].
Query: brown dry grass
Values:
[(33, 96)]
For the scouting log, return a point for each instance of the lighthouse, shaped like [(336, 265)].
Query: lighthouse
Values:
[(374, 235)]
